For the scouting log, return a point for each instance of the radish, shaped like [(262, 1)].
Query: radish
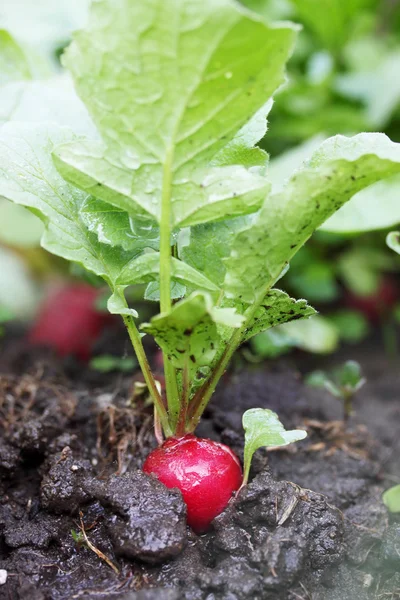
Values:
[(69, 322), (376, 306), (206, 472)]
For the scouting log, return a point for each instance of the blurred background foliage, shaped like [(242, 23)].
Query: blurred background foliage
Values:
[(343, 78)]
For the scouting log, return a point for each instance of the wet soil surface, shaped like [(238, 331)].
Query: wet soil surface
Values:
[(78, 519)]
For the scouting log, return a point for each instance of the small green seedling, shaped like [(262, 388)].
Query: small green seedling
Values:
[(263, 428), (106, 363), (78, 538), (343, 382), (391, 499), (168, 189), (81, 540)]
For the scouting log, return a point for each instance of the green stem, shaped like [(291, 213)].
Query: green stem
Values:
[(181, 426), (165, 286), (348, 406), (158, 432), (246, 468), (203, 395), (147, 374)]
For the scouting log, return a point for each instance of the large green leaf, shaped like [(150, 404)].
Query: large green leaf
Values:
[(336, 171), (281, 168), (316, 334), (377, 207), (115, 227), (51, 100), (117, 304), (242, 149), (153, 293), (205, 246), (28, 177), (277, 308), (168, 86), (263, 428), (146, 268), (188, 334)]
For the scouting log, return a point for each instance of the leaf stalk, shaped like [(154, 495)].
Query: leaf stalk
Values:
[(134, 336), (165, 286), (203, 395)]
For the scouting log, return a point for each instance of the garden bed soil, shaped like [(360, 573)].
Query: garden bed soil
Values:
[(78, 519)]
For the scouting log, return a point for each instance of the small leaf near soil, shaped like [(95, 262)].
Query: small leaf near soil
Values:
[(342, 382), (263, 429), (106, 363), (391, 498)]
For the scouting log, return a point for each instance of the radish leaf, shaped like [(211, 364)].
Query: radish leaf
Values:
[(241, 150), (165, 110), (263, 429), (188, 334), (49, 100), (117, 304), (277, 308), (114, 226), (336, 171), (205, 246), (146, 268), (29, 177), (391, 498)]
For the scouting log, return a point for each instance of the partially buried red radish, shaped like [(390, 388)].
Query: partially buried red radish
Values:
[(206, 472)]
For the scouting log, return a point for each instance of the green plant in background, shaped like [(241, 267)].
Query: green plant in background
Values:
[(347, 53), (6, 315), (393, 241), (172, 191), (106, 363), (342, 382), (316, 334)]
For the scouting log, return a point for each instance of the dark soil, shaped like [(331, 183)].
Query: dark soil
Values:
[(78, 519)]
